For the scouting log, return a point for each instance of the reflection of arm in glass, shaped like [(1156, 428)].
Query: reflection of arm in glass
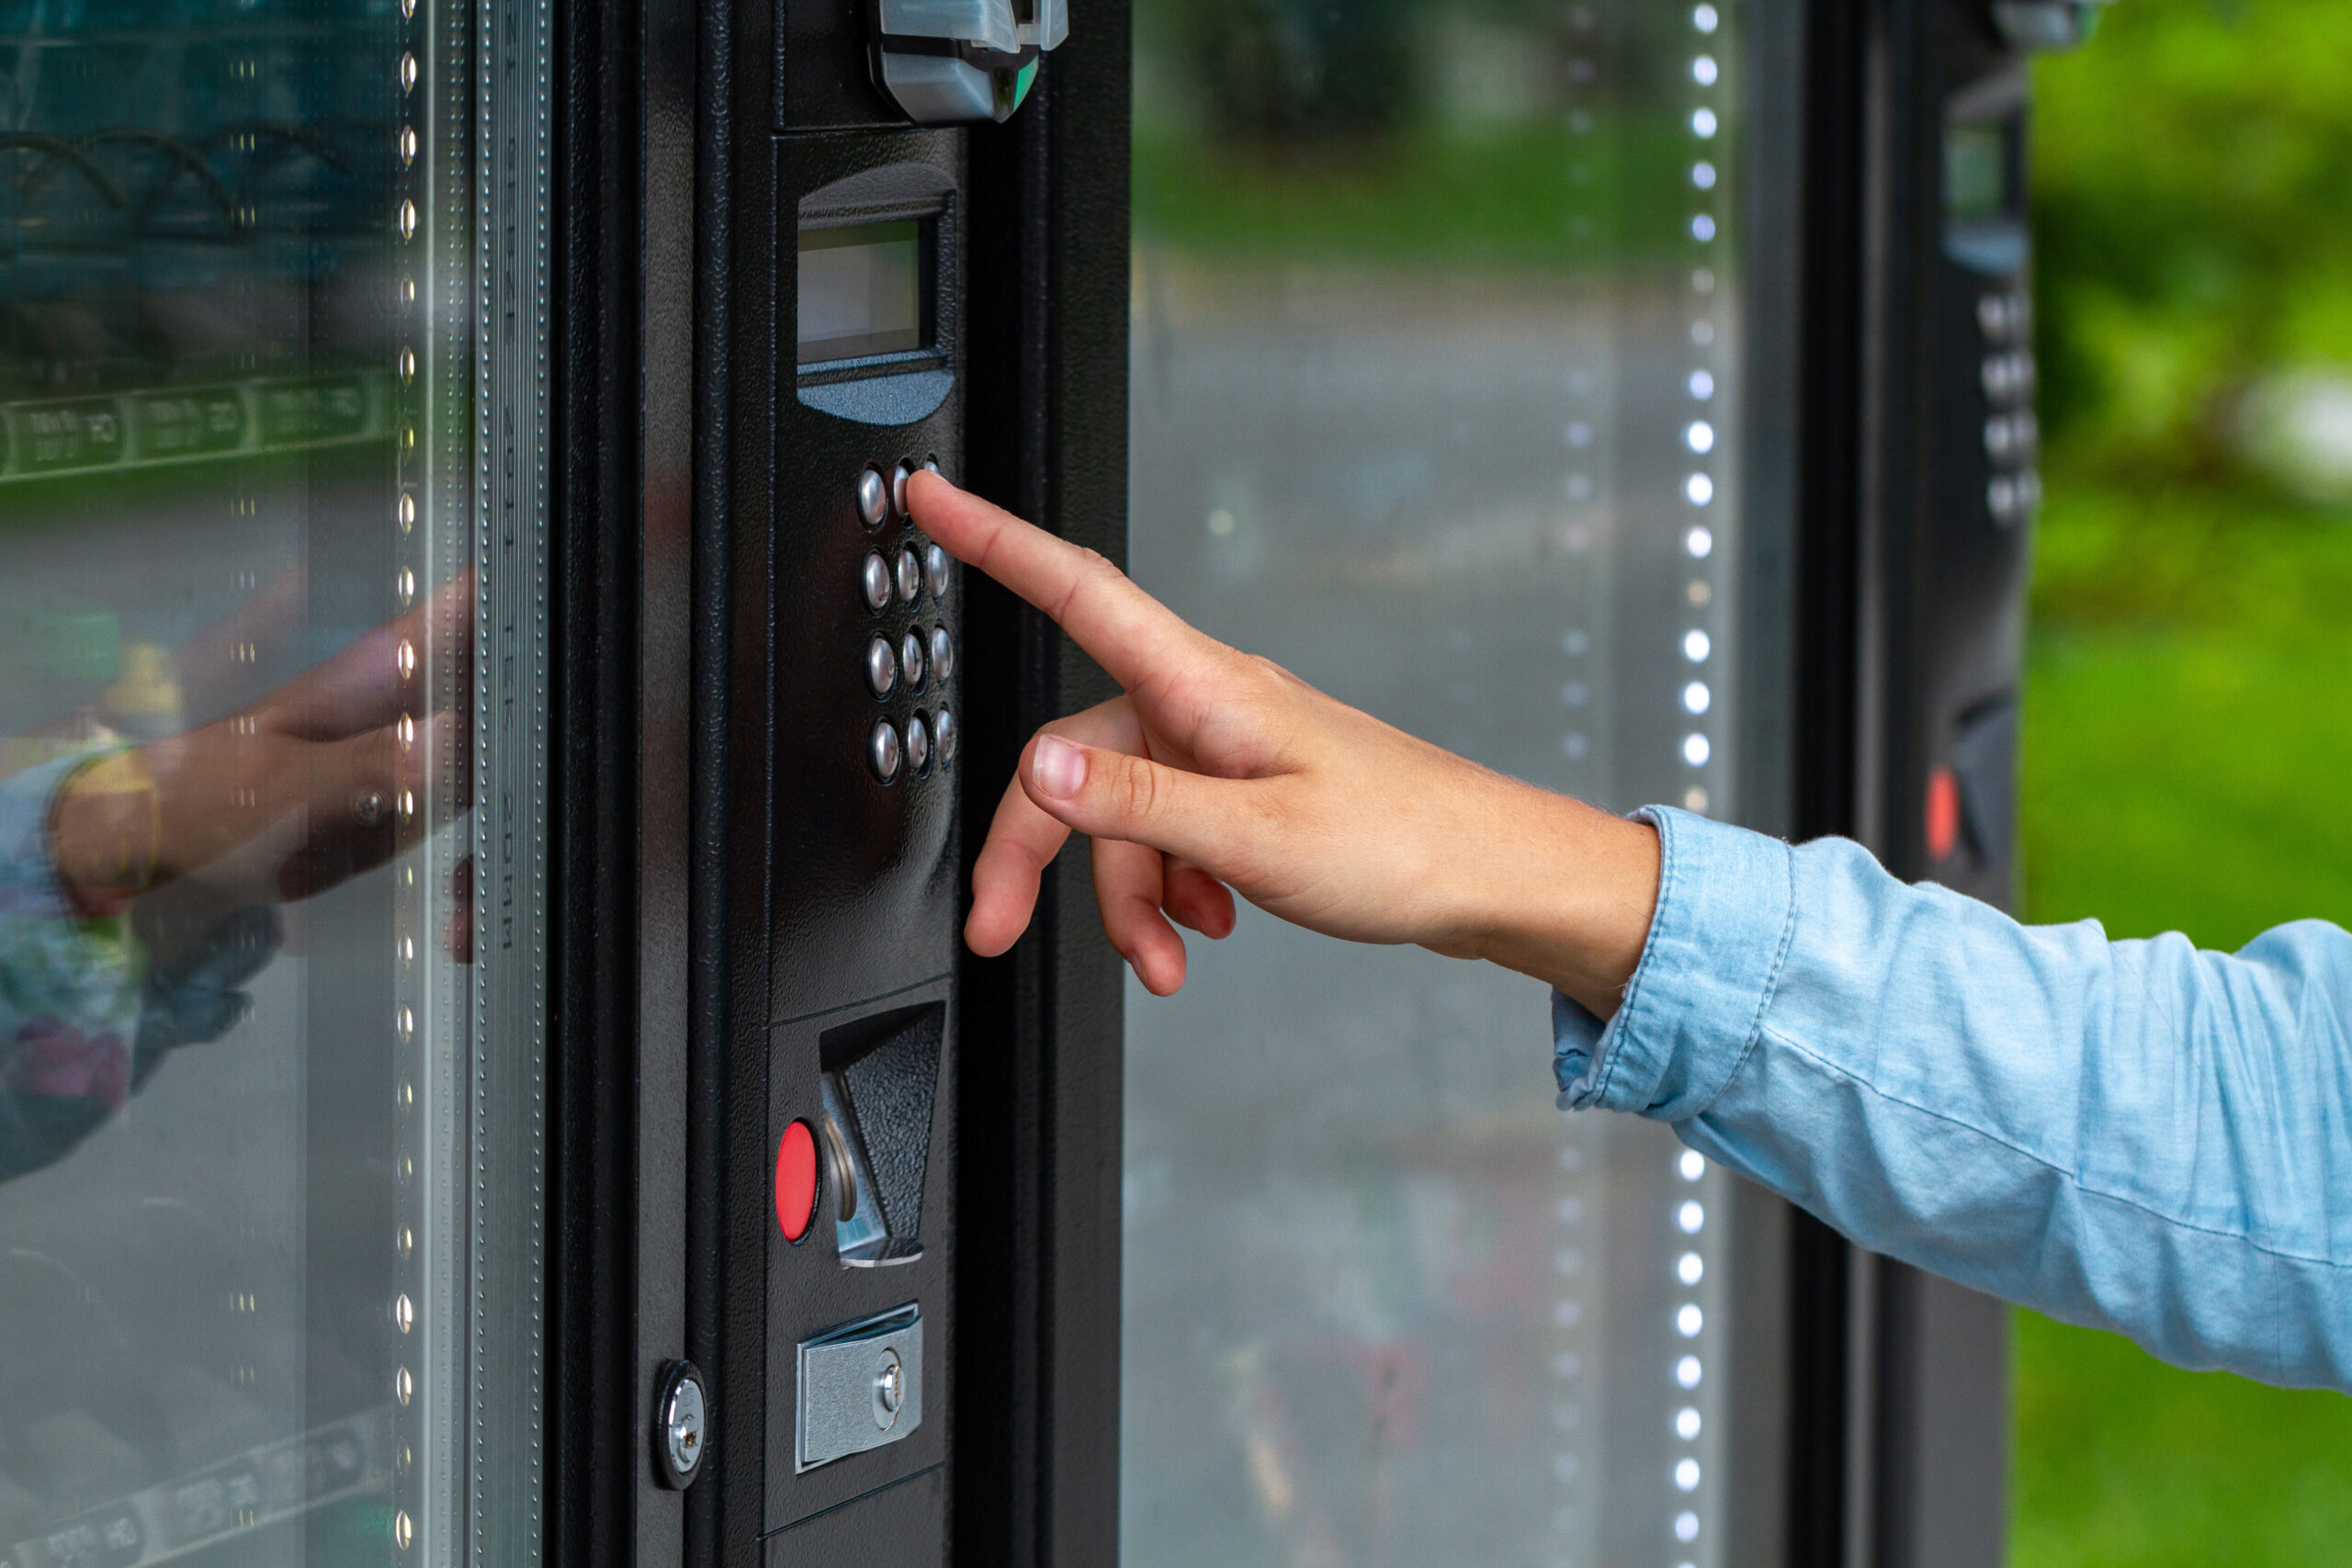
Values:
[(136, 883)]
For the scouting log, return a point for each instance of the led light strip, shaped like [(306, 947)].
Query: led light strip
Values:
[(1698, 434)]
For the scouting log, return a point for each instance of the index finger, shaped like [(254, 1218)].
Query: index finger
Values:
[(1129, 633)]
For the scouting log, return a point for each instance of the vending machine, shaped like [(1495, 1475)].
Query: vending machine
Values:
[(490, 766)]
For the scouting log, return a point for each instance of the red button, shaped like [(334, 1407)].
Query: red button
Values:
[(795, 1180), (1943, 814)]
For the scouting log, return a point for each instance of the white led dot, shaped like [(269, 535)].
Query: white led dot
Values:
[(1686, 1475), (1704, 19), (1703, 281), (1702, 333), (1568, 1364), (1695, 751), (1702, 385), (1690, 1162), (1686, 1424), (1695, 697), (1703, 176), (1685, 1527), (1691, 1218), (1578, 434), (1694, 799), (1699, 436), (1688, 1320), (1568, 1314), (1700, 488), (1702, 70), (1703, 122), (1702, 228), (1686, 1372), (1564, 1466), (1689, 1268), (1700, 541), (1695, 647)]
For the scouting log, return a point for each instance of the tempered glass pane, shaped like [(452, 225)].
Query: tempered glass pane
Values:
[(270, 800), (1437, 400)]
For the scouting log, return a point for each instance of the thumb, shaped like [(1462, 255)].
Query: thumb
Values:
[(1114, 795)]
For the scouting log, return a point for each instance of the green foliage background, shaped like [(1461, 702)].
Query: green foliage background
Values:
[(2188, 736)]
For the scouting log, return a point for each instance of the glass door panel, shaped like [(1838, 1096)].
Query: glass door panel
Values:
[(1437, 400), (271, 783)]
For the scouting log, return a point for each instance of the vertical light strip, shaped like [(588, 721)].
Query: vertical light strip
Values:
[(1701, 432)]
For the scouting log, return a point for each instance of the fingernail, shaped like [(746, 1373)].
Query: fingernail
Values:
[(1059, 767)]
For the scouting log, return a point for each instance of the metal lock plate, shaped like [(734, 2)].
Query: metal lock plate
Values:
[(860, 1387)]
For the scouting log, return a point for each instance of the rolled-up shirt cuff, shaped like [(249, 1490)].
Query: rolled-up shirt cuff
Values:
[(1695, 1006)]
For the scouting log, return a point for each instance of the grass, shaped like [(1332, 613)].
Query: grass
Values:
[(2187, 766)]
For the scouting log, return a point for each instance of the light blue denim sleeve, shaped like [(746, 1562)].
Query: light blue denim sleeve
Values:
[(2136, 1136)]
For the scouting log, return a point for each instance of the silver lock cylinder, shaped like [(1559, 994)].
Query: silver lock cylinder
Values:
[(680, 1425), (956, 62)]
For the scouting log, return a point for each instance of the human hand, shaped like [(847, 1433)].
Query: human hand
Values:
[(1220, 773), (322, 779)]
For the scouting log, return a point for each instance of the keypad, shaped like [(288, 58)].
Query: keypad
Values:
[(2012, 436), (905, 575)]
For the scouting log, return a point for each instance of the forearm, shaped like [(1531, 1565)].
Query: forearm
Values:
[(2132, 1134)]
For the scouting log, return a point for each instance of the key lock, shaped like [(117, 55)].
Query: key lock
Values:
[(954, 62)]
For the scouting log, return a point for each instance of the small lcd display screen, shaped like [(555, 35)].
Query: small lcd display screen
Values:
[(860, 290), (1976, 171)]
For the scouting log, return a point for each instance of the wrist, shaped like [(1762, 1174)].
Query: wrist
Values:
[(1570, 898)]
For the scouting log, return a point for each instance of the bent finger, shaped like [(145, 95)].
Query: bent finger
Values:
[(1195, 899), (1023, 840), (1127, 890)]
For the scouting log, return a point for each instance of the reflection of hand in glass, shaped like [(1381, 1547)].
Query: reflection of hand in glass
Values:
[(317, 782)]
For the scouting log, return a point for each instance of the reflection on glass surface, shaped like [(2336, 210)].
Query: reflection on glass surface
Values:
[(1436, 401), (244, 978)]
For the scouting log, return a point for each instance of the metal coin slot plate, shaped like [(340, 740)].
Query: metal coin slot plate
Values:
[(860, 1387)]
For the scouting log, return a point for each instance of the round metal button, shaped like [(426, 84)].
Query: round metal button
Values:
[(881, 667), (934, 570), (918, 745), (942, 654), (875, 580), (882, 750), (910, 576), (910, 661), (899, 478), (873, 498), (945, 728)]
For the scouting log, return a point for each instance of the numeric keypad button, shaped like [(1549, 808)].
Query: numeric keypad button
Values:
[(881, 667), (873, 579), (934, 572), (918, 745), (942, 654), (910, 661), (910, 576), (873, 498), (946, 736), (882, 750)]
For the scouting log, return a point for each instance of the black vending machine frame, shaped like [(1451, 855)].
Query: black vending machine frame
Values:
[(665, 122), (665, 164)]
